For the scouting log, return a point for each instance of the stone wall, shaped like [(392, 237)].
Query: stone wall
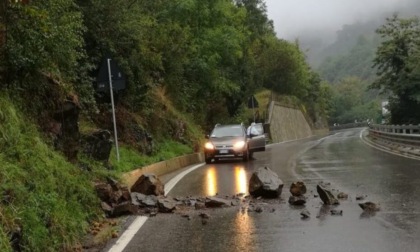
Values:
[(287, 124)]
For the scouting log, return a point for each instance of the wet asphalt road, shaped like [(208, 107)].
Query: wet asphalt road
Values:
[(341, 159)]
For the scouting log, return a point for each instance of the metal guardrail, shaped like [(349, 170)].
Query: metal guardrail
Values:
[(349, 126), (408, 135)]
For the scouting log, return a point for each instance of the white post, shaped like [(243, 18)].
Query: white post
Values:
[(113, 109), (253, 108)]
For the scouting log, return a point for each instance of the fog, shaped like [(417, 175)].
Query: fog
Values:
[(294, 18)]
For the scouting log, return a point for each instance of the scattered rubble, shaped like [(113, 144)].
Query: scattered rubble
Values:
[(369, 206), (147, 198), (204, 215), (342, 195), (217, 202), (298, 188), (361, 197), (166, 205), (297, 200), (305, 214), (326, 196), (265, 183), (258, 209), (336, 212)]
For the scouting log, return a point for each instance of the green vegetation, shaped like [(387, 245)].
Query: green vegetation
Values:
[(349, 71), (188, 64), (45, 199), (398, 63)]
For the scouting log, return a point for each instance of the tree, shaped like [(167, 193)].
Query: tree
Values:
[(45, 50), (284, 68), (397, 62)]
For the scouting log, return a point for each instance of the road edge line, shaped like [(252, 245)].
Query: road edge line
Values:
[(139, 221)]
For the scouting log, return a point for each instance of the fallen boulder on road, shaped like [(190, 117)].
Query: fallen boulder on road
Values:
[(265, 183), (369, 206), (166, 205), (217, 202), (326, 196), (298, 188), (148, 184)]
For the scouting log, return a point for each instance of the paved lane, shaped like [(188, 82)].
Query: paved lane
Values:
[(340, 159)]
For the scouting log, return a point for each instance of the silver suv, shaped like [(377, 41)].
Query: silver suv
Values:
[(232, 141)]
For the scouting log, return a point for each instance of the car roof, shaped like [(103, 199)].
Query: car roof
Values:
[(229, 125)]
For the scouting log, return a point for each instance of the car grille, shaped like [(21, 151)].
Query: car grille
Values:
[(224, 146)]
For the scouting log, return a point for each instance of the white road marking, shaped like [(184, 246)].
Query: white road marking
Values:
[(128, 234), (171, 183), (326, 169)]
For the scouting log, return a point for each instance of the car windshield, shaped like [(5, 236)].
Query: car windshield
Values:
[(233, 131)]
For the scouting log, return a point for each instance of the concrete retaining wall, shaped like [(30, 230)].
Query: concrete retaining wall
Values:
[(163, 167), (287, 124)]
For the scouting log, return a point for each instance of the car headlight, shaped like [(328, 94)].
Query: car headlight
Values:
[(239, 145), (209, 146)]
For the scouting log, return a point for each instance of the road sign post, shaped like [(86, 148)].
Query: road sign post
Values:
[(252, 103), (113, 109)]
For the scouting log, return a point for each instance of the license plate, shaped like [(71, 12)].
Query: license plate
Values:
[(223, 151)]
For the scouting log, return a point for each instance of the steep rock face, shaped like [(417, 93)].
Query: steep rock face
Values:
[(67, 129), (98, 145)]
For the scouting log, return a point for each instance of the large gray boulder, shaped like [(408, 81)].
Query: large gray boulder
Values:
[(265, 183), (148, 184)]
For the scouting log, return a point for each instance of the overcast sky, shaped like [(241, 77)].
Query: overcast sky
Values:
[(291, 17)]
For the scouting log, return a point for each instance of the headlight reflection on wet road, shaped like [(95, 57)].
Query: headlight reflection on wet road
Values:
[(244, 228), (241, 180), (225, 181), (211, 181)]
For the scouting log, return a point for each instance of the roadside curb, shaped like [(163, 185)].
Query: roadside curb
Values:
[(163, 167)]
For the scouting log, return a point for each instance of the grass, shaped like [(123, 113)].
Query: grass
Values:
[(49, 199), (131, 159), (164, 146)]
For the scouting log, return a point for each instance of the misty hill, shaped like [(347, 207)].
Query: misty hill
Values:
[(357, 61), (352, 50)]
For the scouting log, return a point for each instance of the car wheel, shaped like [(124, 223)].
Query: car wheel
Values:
[(245, 158), (208, 160)]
